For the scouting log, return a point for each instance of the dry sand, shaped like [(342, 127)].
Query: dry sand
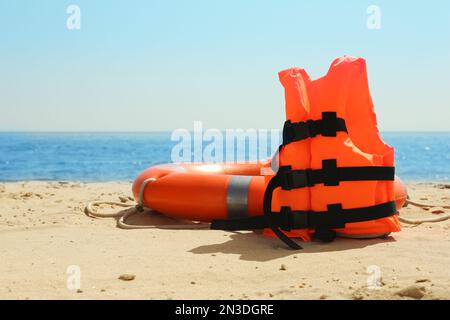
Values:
[(43, 231)]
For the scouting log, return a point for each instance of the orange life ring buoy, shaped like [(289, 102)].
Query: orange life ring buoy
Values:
[(205, 192)]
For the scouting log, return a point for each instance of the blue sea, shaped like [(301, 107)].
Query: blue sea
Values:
[(121, 156)]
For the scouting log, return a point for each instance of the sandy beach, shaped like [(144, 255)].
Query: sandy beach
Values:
[(43, 231)]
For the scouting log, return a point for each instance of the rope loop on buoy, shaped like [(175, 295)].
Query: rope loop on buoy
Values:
[(134, 209), (424, 220)]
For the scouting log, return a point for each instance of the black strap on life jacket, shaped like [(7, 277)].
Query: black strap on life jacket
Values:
[(328, 126), (335, 217), (331, 175), (323, 222)]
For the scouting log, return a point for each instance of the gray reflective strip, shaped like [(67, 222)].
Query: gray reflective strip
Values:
[(237, 196)]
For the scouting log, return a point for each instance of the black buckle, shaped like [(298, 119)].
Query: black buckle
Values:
[(314, 127), (329, 124), (330, 172), (292, 179), (288, 132), (302, 130), (296, 131), (332, 219), (293, 219)]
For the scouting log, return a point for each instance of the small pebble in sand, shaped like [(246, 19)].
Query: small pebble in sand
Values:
[(413, 291), (283, 267), (193, 282), (437, 211), (123, 199), (127, 277), (79, 291), (357, 296), (323, 297), (423, 280), (424, 198)]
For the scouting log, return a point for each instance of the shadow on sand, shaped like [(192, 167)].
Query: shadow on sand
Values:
[(256, 247), (251, 246)]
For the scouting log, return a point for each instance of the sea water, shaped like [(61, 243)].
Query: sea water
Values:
[(121, 156)]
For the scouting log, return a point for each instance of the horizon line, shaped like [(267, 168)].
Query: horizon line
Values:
[(168, 131)]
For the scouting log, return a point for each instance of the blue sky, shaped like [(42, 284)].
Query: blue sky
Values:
[(160, 65)]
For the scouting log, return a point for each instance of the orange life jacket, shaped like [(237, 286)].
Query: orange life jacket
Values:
[(336, 174)]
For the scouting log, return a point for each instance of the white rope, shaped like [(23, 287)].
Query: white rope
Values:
[(133, 209), (426, 205), (425, 220)]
